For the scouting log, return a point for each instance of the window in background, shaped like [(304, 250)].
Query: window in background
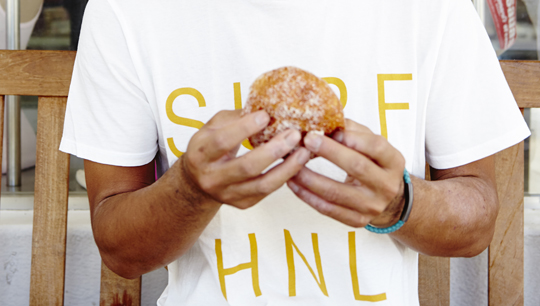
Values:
[(57, 28), (526, 48)]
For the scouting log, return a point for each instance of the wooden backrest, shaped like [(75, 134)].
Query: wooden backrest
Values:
[(47, 74), (506, 274)]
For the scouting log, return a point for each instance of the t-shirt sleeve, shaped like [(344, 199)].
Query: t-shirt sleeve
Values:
[(471, 112), (108, 118)]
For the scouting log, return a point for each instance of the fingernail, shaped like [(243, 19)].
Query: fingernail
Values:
[(293, 186), (293, 138), (338, 136), (313, 141), (262, 119), (303, 156)]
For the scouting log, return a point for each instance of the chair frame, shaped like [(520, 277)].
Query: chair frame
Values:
[(47, 74)]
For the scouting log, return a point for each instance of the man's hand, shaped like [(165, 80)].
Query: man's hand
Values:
[(140, 225), (453, 215), (211, 163), (373, 190)]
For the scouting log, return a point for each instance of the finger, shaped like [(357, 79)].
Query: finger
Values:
[(355, 164), (253, 163), (376, 147), (228, 131), (372, 145), (339, 213), (256, 189), (223, 118), (348, 196), (350, 126)]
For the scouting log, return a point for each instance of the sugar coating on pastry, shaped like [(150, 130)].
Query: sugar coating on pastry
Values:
[(294, 99)]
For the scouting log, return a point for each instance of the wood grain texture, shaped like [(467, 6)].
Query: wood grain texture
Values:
[(50, 206), (2, 105), (35, 73), (506, 248), (434, 280), (118, 291), (524, 80)]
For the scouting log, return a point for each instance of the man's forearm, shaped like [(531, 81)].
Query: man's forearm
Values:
[(145, 229), (452, 217), (141, 225)]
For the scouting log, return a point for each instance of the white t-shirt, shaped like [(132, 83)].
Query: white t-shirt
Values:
[(420, 72)]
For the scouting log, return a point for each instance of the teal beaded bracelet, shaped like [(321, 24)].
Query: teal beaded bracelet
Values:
[(408, 194)]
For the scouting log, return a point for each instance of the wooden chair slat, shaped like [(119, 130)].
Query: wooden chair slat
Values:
[(434, 280), (524, 80), (116, 290), (2, 107), (36, 73), (50, 206), (48, 74), (506, 249)]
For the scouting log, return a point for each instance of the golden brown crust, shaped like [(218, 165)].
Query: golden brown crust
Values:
[(296, 99)]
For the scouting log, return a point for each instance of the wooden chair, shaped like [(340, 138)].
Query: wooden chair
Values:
[(47, 74), (505, 278)]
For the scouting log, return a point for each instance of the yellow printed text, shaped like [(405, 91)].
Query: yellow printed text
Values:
[(342, 89), (289, 244), (354, 274), (181, 120), (238, 105), (383, 106), (253, 265)]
